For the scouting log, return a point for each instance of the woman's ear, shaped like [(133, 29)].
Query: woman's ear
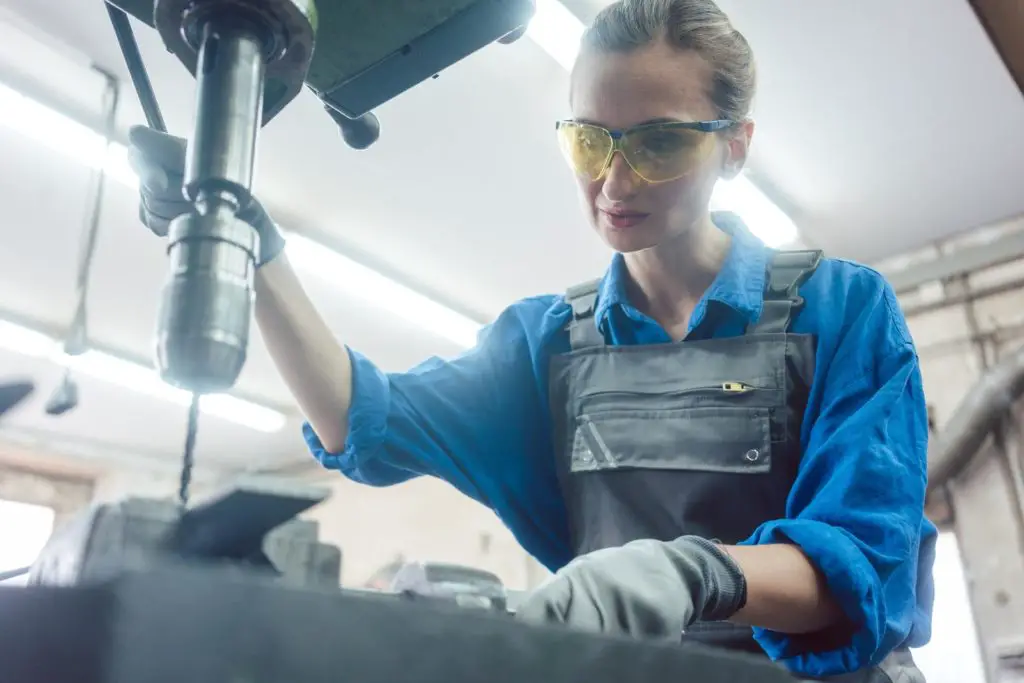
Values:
[(737, 148)]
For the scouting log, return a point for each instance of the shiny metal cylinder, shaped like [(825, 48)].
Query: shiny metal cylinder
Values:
[(206, 308), (204, 319), (228, 109)]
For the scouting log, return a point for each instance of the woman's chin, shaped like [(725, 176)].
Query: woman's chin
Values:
[(628, 240)]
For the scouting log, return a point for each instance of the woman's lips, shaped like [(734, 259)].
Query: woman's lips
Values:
[(621, 220)]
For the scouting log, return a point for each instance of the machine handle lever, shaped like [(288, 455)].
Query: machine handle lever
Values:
[(136, 68)]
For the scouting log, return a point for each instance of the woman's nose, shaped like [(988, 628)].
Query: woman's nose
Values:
[(620, 182)]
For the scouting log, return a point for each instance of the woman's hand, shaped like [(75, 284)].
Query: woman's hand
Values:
[(647, 588), (158, 159)]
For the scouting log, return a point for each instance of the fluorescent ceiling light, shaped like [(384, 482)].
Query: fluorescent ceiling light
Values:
[(396, 298), (63, 135), (138, 378), (763, 218), (89, 148), (557, 31)]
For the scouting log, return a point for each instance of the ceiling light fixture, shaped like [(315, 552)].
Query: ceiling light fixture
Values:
[(557, 31), (70, 138), (137, 378), (761, 215)]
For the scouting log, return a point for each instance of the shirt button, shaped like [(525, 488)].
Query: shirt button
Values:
[(752, 455)]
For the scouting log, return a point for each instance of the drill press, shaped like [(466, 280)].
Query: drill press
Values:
[(250, 58)]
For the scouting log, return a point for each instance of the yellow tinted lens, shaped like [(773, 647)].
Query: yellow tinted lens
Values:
[(587, 148), (659, 154)]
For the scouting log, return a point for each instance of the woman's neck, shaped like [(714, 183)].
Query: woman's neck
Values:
[(667, 281)]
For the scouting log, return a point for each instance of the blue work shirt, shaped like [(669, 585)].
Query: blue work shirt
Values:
[(482, 423)]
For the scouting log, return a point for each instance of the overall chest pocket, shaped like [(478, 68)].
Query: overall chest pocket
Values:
[(721, 439)]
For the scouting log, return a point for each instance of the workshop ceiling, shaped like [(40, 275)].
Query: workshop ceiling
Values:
[(882, 127)]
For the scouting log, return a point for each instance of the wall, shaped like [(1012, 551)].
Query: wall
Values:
[(422, 519), (27, 476)]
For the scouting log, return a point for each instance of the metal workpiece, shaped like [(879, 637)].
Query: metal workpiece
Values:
[(206, 307)]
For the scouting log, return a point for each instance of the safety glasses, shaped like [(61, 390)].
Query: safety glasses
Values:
[(657, 152)]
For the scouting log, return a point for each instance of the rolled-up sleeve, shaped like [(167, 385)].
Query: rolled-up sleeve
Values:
[(456, 420), (857, 506), (367, 427)]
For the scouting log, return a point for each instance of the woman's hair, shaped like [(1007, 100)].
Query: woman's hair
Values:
[(697, 25)]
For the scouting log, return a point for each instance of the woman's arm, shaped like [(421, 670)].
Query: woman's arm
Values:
[(313, 363), (785, 592), (855, 510)]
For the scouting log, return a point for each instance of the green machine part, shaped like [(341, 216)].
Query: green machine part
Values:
[(369, 51)]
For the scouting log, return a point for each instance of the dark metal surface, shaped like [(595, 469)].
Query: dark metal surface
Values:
[(288, 41), (233, 525), (361, 61), (368, 62), (210, 626)]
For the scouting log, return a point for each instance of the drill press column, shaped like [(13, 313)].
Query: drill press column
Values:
[(203, 325)]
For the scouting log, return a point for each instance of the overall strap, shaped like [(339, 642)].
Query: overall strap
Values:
[(782, 301), (583, 332)]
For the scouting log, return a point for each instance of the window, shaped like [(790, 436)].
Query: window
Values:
[(953, 655), (24, 530)]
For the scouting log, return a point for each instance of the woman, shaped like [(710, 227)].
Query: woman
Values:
[(730, 440)]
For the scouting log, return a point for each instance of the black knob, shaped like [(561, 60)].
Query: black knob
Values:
[(358, 133)]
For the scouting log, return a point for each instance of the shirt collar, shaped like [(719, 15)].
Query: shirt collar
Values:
[(739, 284)]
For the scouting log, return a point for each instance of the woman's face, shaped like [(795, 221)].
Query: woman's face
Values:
[(656, 83)]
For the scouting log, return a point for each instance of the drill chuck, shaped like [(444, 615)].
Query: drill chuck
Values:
[(207, 303)]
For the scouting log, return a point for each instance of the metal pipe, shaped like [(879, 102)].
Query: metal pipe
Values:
[(964, 297), (974, 418)]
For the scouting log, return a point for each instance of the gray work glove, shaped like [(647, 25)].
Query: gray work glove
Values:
[(159, 161), (645, 589)]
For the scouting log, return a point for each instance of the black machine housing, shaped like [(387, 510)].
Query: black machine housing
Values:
[(369, 51)]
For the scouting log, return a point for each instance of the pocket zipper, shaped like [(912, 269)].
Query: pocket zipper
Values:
[(737, 387), (724, 387)]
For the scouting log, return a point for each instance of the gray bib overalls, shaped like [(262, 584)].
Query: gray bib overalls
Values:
[(698, 437)]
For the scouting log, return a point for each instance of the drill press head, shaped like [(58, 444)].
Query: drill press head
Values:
[(250, 59), (290, 30)]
